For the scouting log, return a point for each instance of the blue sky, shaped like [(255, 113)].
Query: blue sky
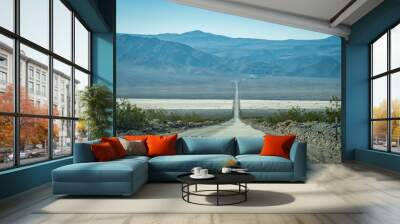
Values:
[(162, 16)]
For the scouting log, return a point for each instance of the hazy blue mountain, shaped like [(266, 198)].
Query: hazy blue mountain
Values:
[(239, 47), (203, 58), (152, 53)]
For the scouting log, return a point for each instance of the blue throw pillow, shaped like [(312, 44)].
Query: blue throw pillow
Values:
[(207, 145), (249, 145)]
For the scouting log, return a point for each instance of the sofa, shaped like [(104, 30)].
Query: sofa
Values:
[(125, 176)]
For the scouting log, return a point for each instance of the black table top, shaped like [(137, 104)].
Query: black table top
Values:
[(220, 178)]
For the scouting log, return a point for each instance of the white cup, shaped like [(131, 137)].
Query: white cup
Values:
[(226, 170), (196, 171), (203, 172)]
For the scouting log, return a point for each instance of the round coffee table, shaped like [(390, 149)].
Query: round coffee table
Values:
[(238, 179)]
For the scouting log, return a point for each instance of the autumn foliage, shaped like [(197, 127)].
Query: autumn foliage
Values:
[(380, 127), (33, 131)]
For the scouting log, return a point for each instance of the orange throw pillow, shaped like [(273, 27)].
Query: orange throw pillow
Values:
[(277, 145), (135, 137), (161, 145), (103, 152), (116, 145)]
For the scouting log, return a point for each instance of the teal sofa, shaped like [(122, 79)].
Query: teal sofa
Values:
[(125, 176)]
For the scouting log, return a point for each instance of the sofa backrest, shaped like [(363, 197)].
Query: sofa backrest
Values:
[(249, 145), (190, 146), (83, 152), (206, 145)]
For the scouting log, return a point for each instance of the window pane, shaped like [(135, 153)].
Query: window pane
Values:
[(395, 94), (379, 55), (395, 136), (62, 138), (6, 74), (34, 97), (62, 29), (379, 98), (379, 135), (395, 47), (62, 89), (35, 21), (7, 14), (81, 45), (81, 81), (6, 142), (33, 139), (81, 131)]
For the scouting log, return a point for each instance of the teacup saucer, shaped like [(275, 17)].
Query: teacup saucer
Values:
[(208, 176)]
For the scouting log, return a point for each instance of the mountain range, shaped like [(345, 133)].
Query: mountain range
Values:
[(200, 57)]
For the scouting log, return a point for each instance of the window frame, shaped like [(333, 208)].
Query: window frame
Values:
[(388, 74), (16, 114)]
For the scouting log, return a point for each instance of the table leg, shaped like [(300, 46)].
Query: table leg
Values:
[(245, 193), (188, 190), (195, 188), (182, 190), (217, 194)]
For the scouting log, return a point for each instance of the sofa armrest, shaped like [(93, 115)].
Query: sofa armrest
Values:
[(83, 152), (298, 155)]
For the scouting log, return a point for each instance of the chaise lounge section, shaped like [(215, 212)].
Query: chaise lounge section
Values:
[(125, 176)]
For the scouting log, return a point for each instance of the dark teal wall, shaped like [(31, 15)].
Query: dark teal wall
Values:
[(99, 15), (103, 52), (24, 178), (380, 159), (103, 61), (356, 99), (356, 95)]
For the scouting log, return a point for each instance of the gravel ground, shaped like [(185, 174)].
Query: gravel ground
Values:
[(323, 139)]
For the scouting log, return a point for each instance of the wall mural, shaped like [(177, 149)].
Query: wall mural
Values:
[(201, 73)]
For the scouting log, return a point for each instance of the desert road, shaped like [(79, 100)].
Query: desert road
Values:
[(233, 127)]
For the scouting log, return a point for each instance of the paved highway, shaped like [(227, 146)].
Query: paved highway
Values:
[(234, 127)]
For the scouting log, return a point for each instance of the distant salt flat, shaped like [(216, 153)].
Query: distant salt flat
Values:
[(212, 104), (282, 104), (179, 104)]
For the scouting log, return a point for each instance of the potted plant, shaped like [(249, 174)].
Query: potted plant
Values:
[(97, 104)]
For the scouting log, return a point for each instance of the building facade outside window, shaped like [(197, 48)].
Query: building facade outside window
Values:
[(385, 91), (3, 78), (45, 131), (3, 72), (30, 87)]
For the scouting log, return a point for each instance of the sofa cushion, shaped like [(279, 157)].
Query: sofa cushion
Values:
[(120, 170), (206, 145), (132, 158), (257, 163), (161, 145), (135, 137), (134, 147), (116, 145), (277, 145), (103, 152), (185, 163), (249, 145)]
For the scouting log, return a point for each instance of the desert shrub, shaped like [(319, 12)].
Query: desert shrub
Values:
[(152, 114), (130, 116), (295, 114), (333, 111), (330, 114)]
